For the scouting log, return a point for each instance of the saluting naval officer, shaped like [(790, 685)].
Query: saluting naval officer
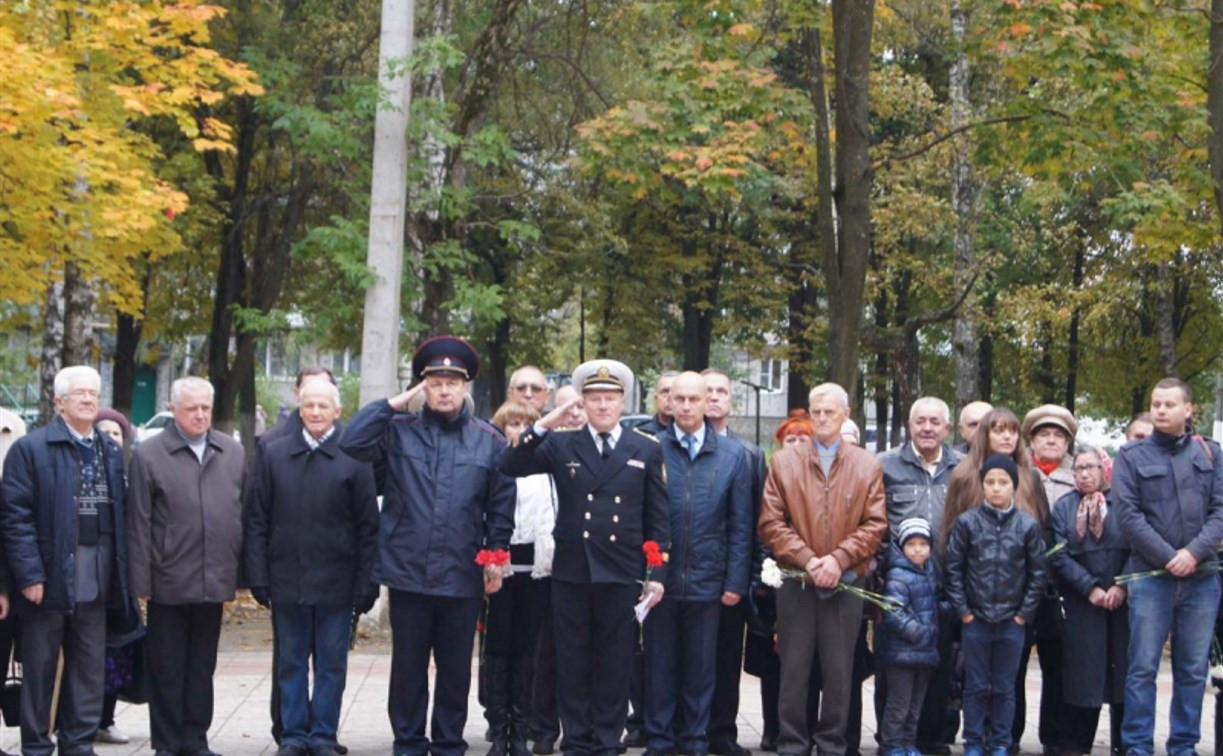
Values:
[(443, 501), (612, 497)]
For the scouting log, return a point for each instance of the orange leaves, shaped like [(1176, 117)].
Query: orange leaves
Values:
[(1019, 29), (83, 182)]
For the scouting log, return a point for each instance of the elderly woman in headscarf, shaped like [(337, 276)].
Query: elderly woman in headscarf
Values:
[(1089, 552)]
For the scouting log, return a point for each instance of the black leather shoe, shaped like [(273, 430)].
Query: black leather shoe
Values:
[(634, 739), (341, 749), (768, 743), (934, 749), (293, 750), (544, 747), (728, 749), (699, 752), (657, 752)]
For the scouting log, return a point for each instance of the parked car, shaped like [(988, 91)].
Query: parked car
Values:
[(632, 421), (154, 425), (159, 422)]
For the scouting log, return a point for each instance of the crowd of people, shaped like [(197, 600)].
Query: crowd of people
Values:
[(617, 579)]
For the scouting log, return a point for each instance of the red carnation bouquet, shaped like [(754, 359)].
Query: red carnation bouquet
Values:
[(487, 558), (492, 560)]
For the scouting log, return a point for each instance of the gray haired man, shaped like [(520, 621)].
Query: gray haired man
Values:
[(61, 500), (185, 529)]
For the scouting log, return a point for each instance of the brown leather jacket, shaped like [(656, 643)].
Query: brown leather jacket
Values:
[(806, 515)]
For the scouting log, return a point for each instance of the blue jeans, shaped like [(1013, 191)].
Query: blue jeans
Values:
[(321, 634), (1185, 608), (991, 662)]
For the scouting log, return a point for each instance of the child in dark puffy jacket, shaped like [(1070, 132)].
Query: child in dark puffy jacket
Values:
[(907, 645), (995, 578)]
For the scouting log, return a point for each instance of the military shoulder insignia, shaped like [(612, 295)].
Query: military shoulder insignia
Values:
[(643, 434)]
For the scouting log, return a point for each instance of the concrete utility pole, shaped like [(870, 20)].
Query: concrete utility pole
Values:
[(388, 204)]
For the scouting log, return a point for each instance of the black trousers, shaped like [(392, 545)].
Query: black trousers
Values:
[(545, 721), (1052, 706), (444, 627), (8, 633), (182, 647), (732, 624), (595, 632)]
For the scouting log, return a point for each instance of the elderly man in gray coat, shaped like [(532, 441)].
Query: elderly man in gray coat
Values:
[(185, 539)]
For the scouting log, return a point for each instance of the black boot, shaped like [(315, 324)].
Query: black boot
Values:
[(522, 673), (497, 702)]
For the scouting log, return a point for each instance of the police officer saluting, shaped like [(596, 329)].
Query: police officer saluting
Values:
[(612, 498), (443, 501)]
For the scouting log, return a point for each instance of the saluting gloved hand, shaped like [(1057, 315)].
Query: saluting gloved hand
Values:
[(260, 594), (365, 602)]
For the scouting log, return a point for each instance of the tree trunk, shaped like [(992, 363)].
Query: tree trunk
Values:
[(78, 312), (1045, 378), (963, 195), (1072, 349), (804, 301), (846, 270), (1214, 104), (987, 354), (127, 341), (51, 356), (1165, 327)]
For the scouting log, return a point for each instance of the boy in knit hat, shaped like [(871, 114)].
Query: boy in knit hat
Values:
[(908, 639)]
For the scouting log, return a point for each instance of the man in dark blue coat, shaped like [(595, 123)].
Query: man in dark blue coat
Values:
[(709, 491), (1168, 493), (443, 501), (62, 513), (311, 534), (611, 498)]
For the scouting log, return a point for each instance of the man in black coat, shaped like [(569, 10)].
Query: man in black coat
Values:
[(290, 425), (311, 533), (611, 498)]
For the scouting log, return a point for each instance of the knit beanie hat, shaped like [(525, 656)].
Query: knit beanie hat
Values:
[(911, 528), (1001, 462)]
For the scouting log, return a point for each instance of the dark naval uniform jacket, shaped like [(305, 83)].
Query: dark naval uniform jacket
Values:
[(606, 509)]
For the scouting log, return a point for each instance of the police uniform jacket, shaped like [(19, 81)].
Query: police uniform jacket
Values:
[(606, 508), (443, 498)]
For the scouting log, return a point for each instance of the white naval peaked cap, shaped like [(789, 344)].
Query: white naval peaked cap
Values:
[(603, 375)]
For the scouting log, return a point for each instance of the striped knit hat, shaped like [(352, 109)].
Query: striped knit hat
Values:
[(912, 527)]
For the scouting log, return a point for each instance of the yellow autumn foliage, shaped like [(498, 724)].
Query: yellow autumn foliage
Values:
[(78, 177)]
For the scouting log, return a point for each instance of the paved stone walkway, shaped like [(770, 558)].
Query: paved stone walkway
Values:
[(241, 724)]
